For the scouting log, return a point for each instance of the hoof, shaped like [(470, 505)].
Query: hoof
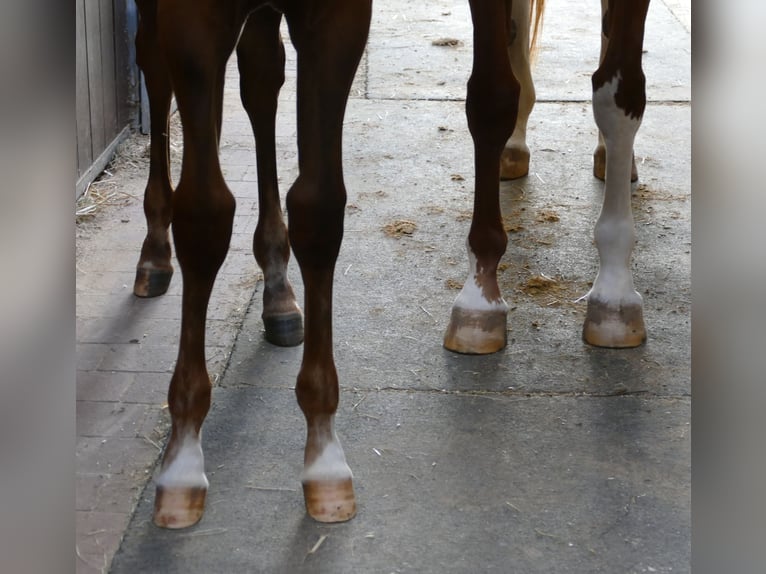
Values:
[(152, 282), (599, 165), (617, 328), (476, 332), (285, 330), (178, 507), (330, 501), (514, 163)]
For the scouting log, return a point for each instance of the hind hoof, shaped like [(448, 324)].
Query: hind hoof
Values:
[(514, 163), (599, 165), (285, 330), (152, 282)]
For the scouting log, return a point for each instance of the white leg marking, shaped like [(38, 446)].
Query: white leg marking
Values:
[(187, 469), (472, 296), (330, 464), (614, 232)]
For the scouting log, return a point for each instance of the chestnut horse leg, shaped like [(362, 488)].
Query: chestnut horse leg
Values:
[(154, 270), (329, 39), (196, 43), (615, 317), (599, 154), (514, 161), (478, 321), (261, 59)]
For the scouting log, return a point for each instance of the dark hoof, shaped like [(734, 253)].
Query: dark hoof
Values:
[(152, 282), (284, 330)]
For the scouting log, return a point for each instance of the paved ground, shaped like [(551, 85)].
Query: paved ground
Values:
[(549, 456)]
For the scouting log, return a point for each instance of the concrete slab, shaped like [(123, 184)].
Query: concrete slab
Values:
[(409, 66), (446, 483)]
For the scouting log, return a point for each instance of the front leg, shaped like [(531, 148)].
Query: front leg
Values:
[(329, 41), (615, 309), (478, 321), (599, 154)]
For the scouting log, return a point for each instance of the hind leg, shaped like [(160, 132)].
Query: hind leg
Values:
[(261, 59), (154, 270), (514, 161)]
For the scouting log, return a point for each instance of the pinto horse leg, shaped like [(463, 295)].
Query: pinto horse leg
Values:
[(615, 316), (261, 59), (514, 161), (478, 321), (329, 40), (196, 44), (154, 270), (599, 154)]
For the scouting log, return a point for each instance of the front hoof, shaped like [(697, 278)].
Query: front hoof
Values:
[(476, 332), (614, 327), (178, 507), (514, 163), (330, 500), (284, 330), (152, 282)]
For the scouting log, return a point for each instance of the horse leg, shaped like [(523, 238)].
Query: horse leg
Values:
[(196, 44), (599, 154), (615, 315), (261, 59), (514, 161), (327, 61), (154, 270), (478, 320)]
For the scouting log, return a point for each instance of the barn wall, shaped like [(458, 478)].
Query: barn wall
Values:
[(107, 83)]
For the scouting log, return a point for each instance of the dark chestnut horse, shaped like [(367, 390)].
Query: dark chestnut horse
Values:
[(183, 47)]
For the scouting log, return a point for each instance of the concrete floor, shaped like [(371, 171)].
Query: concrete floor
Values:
[(549, 456)]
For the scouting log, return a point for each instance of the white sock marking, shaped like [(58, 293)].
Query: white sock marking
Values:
[(471, 296), (187, 469), (615, 229), (330, 464)]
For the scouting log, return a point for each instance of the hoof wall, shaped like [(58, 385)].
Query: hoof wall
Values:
[(514, 163), (616, 328), (476, 332), (178, 507), (599, 166), (152, 282), (284, 330), (330, 501)]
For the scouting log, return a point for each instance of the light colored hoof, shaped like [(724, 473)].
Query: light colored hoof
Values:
[(616, 328), (178, 507), (330, 500), (152, 282), (599, 165), (514, 163), (476, 332)]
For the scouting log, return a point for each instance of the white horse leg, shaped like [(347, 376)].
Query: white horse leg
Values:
[(599, 154)]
